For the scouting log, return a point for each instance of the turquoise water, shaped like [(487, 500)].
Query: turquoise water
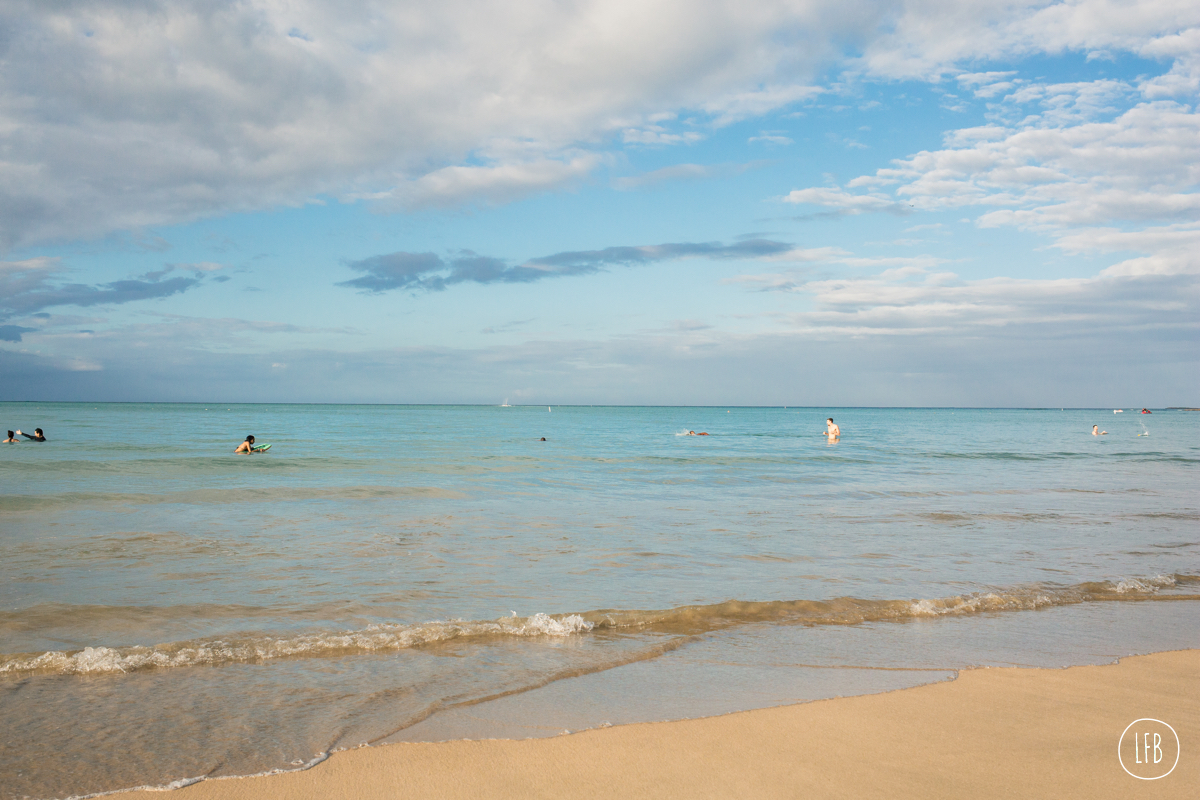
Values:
[(193, 612)]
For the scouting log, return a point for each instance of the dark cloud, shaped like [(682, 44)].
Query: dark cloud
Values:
[(395, 271), (12, 333), (197, 271), (508, 326), (78, 294), (27, 287), (818, 215), (431, 272), (581, 261)]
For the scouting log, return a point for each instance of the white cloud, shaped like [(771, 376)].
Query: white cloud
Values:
[(740, 105), (501, 183), (1171, 249), (845, 201), (811, 254), (927, 38), (916, 301), (656, 134), (869, 180), (797, 279), (1067, 103), (121, 116), (986, 84), (771, 137), (1183, 79), (1094, 180), (118, 116), (675, 172)]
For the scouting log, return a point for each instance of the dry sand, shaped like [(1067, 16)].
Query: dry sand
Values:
[(1019, 733)]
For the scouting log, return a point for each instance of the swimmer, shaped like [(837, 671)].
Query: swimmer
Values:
[(1097, 432), (832, 430), (12, 439), (542, 439), (246, 446), (38, 436), (693, 433)]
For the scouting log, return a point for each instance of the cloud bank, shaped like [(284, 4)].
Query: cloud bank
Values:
[(1043, 359)]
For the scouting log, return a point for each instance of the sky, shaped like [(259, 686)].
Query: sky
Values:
[(803, 203)]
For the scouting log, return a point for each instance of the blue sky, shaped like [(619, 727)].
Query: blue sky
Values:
[(800, 203)]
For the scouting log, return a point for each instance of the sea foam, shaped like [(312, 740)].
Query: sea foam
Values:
[(681, 621)]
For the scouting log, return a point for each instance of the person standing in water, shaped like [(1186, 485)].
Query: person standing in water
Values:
[(246, 446), (832, 430), (12, 439), (37, 436), (1097, 432)]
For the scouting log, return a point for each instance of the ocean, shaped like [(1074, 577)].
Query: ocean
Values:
[(171, 611)]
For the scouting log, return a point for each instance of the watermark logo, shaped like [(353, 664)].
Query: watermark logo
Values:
[(1149, 749)]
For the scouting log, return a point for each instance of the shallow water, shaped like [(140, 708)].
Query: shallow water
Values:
[(170, 610)]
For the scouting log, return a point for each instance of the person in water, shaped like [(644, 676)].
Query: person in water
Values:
[(37, 436), (246, 446), (1097, 432), (693, 433), (12, 439), (832, 430)]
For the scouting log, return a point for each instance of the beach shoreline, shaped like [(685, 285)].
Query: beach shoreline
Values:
[(441, 574), (990, 732)]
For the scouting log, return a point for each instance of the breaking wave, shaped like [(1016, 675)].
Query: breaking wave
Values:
[(681, 621)]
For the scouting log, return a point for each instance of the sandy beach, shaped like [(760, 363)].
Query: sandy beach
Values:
[(1001, 732)]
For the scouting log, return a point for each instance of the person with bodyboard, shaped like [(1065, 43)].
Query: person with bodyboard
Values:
[(249, 446)]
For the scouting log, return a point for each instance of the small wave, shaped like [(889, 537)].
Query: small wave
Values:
[(300, 765), (373, 638), (271, 494), (681, 621), (1145, 585)]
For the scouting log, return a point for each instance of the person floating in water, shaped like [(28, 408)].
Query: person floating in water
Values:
[(12, 439), (246, 446), (1145, 411), (37, 436), (832, 430), (693, 433), (1097, 432)]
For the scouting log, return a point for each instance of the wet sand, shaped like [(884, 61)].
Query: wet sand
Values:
[(1027, 733)]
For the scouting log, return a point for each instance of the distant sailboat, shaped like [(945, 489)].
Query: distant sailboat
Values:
[(505, 404)]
